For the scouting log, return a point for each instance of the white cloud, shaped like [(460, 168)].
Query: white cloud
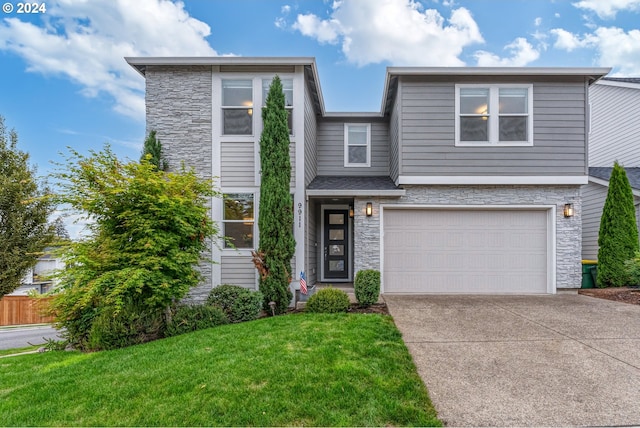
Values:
[(568, 41), (607, 9), (537, 22), (520, 50), (86, 41), (398, 31), (613, 46)]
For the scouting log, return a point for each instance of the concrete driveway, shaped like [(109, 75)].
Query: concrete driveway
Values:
[(563, 360)]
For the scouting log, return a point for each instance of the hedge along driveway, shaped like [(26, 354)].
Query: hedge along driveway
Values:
[(303, 369)]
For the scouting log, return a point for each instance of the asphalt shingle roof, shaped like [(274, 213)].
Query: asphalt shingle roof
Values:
[(330, 182), (604, 173), (623, 79)]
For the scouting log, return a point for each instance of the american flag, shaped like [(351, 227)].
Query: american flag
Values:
[(303, 283)]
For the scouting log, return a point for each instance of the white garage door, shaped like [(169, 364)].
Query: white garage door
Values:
[(465, 251)]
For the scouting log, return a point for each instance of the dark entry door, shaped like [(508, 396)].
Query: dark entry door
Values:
[(336, 244)]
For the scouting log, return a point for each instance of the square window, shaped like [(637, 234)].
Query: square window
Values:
[(336, 234)]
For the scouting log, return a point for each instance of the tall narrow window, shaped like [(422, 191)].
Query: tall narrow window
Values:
[(357, 144), (238, 220), (514, 109), (474, 114), (237, 107), (494, 115), (287, 88)]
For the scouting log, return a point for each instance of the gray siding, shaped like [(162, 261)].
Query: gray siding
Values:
[(615, 126), (239, 270), (593, 198), (237, 164), (310, 131), (394, 140), (311, 239), (428, 132), (330, 147)]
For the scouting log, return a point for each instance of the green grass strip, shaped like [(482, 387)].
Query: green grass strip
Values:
[(294, 370)]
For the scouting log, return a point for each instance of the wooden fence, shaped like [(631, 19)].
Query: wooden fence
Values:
[(18, 310)]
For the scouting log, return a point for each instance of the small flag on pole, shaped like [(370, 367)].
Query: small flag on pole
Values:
[(303, 283)]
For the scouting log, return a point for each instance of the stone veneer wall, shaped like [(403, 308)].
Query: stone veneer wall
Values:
[(178, 102), (568, 230)]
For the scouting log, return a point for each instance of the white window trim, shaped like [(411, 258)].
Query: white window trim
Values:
[(288, 108), (240, 251), (346, 146), (494, 116), (225, 107)]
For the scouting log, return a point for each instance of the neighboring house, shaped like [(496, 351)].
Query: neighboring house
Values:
[(38, 279), (457, 185), (614, 135)]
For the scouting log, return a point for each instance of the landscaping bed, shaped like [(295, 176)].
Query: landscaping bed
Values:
[(629, 295)]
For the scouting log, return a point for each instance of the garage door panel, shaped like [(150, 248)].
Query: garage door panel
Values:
[(465, 251)]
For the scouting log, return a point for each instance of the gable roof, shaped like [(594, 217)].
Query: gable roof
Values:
[(622, 82), (604, 173)]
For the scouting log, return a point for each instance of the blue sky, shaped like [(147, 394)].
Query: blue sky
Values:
[(64, 82)]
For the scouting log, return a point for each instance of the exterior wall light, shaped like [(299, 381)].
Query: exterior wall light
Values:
[(351, 213), (568, 210), (369, 209)]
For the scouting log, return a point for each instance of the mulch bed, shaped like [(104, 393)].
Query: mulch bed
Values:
[(629, 295), (378, 308)]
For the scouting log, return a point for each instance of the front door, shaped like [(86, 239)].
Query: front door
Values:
[(336, 244)]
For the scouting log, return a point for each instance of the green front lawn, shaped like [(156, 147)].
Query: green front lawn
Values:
[(303, 369)]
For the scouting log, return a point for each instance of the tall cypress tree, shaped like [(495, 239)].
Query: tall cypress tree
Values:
[(275, 220), (153, 147), (618, 237)]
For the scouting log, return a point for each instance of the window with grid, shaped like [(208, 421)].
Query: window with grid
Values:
[(238, 221), (237, 107), (287, 88), (494, 115), (357, 144)]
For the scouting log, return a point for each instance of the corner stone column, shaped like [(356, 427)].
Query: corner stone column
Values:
[(366, 235)]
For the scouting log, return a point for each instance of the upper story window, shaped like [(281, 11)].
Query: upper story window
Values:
[(494, 115), (287, 88), (238, 221), (357, 144), (237, 107)]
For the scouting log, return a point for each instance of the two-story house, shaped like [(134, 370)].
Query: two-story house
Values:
[(614, 136), (466, 181)]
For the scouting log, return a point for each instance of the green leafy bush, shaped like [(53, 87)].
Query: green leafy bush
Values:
[(632, 269), (328, 300), (149, 231), (240, 304), (367, 287), (113, 330), (190, 318)]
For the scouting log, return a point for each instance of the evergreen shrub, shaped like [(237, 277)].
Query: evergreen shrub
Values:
[(328, 300), (188, 318), (367, 287), (240, 304)]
